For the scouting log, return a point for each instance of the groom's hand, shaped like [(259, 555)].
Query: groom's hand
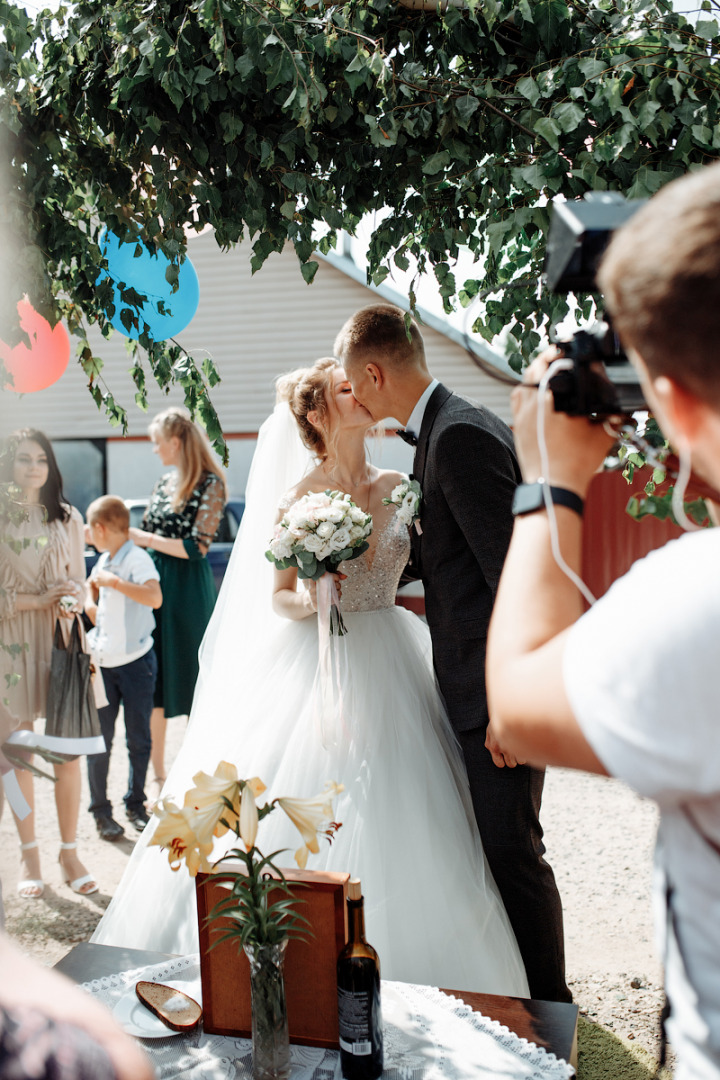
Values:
[(500, 757)]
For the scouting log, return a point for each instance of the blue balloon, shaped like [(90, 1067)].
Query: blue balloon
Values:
[(146, 275)]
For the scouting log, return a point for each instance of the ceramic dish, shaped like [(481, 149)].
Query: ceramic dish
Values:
[(136, 1019)]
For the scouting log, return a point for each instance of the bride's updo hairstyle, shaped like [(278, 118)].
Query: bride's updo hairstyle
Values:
[(306, 390)]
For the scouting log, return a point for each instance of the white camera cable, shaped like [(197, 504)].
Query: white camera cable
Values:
[(678, 495), (557, 365)]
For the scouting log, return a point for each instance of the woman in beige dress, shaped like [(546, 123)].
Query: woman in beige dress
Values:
[(41, 560)]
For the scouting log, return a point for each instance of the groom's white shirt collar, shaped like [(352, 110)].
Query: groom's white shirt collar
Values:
[(416, 416)]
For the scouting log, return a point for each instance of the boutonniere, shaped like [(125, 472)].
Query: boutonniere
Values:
[(407, 496)]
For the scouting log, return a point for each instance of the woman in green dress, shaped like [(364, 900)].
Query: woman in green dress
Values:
[(178, 527)]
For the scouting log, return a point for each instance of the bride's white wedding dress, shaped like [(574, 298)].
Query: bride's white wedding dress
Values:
[(432, 908)]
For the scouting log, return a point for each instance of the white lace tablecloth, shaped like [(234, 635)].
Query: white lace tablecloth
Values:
[(428, 1036)]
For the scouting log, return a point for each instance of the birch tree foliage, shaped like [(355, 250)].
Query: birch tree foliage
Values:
[(285, 121)]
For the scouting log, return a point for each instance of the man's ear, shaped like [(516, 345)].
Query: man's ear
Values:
[(376, 374), (686, 413)]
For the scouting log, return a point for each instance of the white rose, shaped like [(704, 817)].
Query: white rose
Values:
[(405, 516), (398, 492), (281, 548), (325, 530), (335, 514), (408, 502), (357, 532), (357, 516), (325, 551), (340, 540), (313, 543)]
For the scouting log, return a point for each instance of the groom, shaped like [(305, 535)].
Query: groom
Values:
[(465, 464)]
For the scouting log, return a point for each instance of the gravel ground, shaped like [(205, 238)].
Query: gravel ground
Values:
[(599, 837)]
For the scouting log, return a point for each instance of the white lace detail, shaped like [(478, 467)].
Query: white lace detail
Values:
[(428, 1035)]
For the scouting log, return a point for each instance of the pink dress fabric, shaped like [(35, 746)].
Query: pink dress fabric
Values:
[(54, 553)]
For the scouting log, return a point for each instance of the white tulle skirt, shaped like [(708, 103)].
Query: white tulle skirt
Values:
[(431, 906)]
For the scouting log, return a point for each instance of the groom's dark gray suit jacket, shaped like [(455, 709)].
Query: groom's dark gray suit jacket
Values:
[(465, 464)]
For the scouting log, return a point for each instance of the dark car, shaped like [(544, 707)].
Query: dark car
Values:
[(220, 548)]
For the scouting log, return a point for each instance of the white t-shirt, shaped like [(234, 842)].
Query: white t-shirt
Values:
[(642, 674)]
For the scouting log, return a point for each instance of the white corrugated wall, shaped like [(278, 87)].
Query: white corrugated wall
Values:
[(254, 327)]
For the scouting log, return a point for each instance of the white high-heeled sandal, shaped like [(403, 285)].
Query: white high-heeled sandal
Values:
[(36, 884), (77, 883)]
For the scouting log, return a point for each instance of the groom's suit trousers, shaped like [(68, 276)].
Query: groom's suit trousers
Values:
[(466, 466)]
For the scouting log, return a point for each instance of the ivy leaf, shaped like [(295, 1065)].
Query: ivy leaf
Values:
[(569, 116), (466, 106), (529, 89), (436, 163), (548, 15), (549, 130), (707, 29)]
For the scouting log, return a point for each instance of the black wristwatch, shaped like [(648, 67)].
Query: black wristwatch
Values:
[(529, 497)]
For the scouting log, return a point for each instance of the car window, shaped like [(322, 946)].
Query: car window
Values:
[(136, 516), (227, 529)]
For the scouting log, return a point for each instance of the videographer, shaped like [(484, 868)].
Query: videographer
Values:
[(580, 690)]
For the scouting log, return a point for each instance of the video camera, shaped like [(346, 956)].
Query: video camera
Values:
[(602, 381)]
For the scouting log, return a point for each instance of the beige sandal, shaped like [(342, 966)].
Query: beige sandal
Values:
[(77, 884), (30, 888)]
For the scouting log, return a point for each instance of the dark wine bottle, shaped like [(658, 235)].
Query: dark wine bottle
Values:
[(358, 979)]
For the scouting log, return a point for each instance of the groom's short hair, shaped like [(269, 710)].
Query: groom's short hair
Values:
[(661, 280), (386, 332)]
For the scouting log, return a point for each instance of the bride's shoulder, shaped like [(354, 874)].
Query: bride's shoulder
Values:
[(308, 484)]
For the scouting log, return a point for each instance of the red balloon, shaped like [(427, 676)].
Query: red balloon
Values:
[(43, 363)]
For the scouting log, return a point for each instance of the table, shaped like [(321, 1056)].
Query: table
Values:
[(550, 1024)]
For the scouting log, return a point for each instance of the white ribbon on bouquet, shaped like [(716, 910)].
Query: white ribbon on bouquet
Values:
[(331, 676)]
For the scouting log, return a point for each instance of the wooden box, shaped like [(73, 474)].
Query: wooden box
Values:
[(310, 965)]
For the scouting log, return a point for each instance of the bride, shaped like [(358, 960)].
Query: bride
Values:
[(408, 832)]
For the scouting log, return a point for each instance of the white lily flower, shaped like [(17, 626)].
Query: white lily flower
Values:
[(248, 821), (310, 817)]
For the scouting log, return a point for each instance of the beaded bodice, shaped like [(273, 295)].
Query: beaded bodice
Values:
[(372, 578)]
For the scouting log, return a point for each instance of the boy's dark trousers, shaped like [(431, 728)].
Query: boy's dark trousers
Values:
[(131, 685)]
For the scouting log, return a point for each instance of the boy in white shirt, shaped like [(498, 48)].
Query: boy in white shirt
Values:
[(121, 593)]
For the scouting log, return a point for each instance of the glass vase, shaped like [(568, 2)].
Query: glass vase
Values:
[(270, 1036)]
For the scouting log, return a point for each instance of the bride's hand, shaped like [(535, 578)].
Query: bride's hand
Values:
[(311, 587)]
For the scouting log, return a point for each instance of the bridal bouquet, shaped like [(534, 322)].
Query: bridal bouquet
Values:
[(407, 497), (224, 803), (319, 531)]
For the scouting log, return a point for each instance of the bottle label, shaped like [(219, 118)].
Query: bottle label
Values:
[(354, 1017)]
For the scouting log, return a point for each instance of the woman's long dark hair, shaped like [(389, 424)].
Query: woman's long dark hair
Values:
[(51, 495)]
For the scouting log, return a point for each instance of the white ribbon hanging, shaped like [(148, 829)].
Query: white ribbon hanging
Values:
[(18, 803), (30, 741), (331, 675)]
